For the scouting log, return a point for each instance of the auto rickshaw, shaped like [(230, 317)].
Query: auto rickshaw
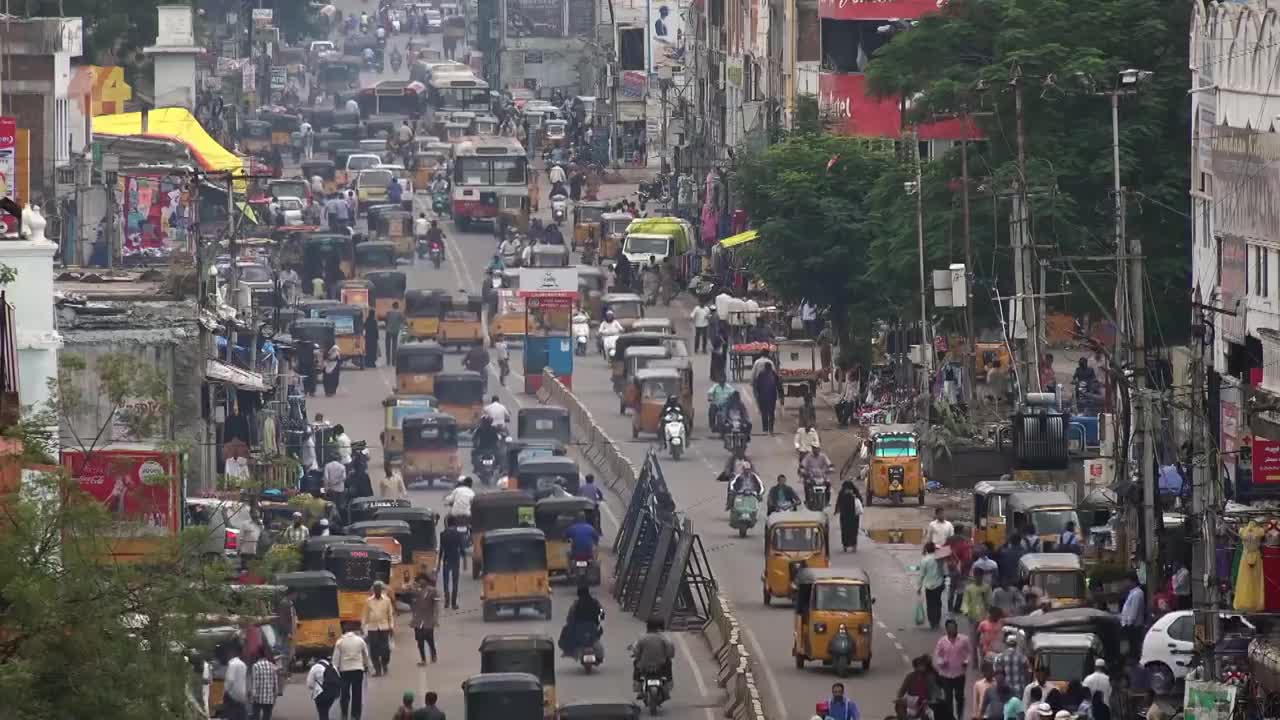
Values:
[(588, 216), (591, 281), (555, 133), (366, 508), (325, 170), (515, 572), (485, 125), (662, 326), (554, 515), (255, 137), (430, 448), (388, 286), (348, 326), (1064, 656), (510, 696), (313, 549), (991, 510), (417, 364), (833, 618), (793, 540), (895, 464), (420, 547), (683, 366), (422, 313), (533, 654), (533, 120), (508, 316), (543, 255), (524, 450), (615, 231), (356, 293), (626, 307), (461, 394), (320, 250), (315, 307), (623, 343), (396, 226), (1058, 576), (1085, 621), (635, 358), (425, 167), (397, 408), (393, 536), (543, 422), (316, 605), (356, 566), (375, 255), (648, 394), (599, 711), (283, 125), (1047, 512), (541, 475), (497, 511), (315, 330), (461, 321)]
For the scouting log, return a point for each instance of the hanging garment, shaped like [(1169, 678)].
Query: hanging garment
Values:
[(1249, 587), (1271, 577), (268, 443)]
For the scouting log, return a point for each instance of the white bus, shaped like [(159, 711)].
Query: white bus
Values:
[(490, 177), (460, 91)]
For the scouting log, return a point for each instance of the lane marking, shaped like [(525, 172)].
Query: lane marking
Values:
[(697, 674), (769, 677), (890, 635)]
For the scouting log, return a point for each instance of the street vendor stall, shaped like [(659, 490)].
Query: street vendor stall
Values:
[(742, 355)]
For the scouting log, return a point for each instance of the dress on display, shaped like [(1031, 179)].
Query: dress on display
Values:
[(1249, 586)]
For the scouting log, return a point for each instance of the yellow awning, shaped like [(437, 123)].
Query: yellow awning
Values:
[(175, 124), (740, 239)]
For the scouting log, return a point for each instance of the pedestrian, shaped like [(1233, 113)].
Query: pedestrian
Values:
[(840, 706), (429, 711), (982, 561), (766, 386), (1100, 710), (932, 583), (325, 684), (957, 565), (1181, 583), (995, 697), (1133, 616), (297, 532), (849, 508), (951, 659), (590, 490), (1012, 663), (451, 548), (371, 340), (426, 614), (1032, 711), (989, 631), (1099, 681), (392, 484), (332, 370), (235, 685), (701, 317), (405, 711), (1006, 598), (250, 533), (305, 366), (379, 621), (351, 658), (975, 604), (985, 681), (286, 620), (394, 324), (719, 358), (1039, 679), (264, 686), (940, 529)]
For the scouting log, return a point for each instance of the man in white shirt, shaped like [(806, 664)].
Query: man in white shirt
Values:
[(335, 478), (497, 412), (315, 683), (352, 106), (235, 688), (809, 316), (351, 660), (458, 501), (556, 175), (247, 543), (1099, 681), (1133, 615), (343, 441), (317, 188), (940, 529), (701, 317), (304, 129), (1041, 681)]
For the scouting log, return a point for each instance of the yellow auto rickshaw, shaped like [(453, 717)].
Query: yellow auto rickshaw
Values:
[(356, 566), (361, 509), (396, 409), (533, 654), (461, 321), (555, 133), (348, 327), (647, 395), (833, 618), (549, 424), (793, 540), (991, 510), (635, 359), (588, 219), (509, 320), (417, 364), (1058, 576), (546, 474), (515, 572), (1046, 512), (626, 307), (895, 471), (615, 231), (255, 137), (553, 516), (315, 603), (425, 167), (355, 292), (422, 313), (387, 288), (314, 548), (375, 255), (631, 352), (324, 169), (396, 227), (683, 366), (461, 394), (420, 547), (510, 696), (320, 250), (497, 511), (393, 536), (430, 448)]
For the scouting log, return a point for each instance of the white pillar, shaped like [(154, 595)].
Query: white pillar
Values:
[(31, 294)]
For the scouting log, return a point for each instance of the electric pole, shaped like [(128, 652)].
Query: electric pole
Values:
[(1021, 219), (972, 364), (925, 340)]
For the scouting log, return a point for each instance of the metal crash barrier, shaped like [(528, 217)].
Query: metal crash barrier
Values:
[(661, 569)]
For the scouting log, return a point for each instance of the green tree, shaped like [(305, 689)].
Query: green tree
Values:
[(810, 198), (1065, 52)]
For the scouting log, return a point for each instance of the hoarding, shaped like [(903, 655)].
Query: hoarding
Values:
[(1266, 461), (139, 488), (666, 20), (875, 9), (535, 19), (855, 113), (9, 167)]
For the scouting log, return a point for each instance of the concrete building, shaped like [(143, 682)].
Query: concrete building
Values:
[(174, 55), (31, 294)]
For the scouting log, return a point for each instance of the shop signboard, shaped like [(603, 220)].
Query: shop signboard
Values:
[(9, 167), (279, 77), (535, 19), (875, 9), (1203, 700), (1266, 461), (634, 84)]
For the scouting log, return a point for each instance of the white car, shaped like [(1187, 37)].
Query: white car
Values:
[(1168, 646)]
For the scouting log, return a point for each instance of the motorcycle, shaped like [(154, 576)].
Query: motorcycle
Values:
[(654, 689), (745, 513), (487, 468), (817, 491), (581, 332), (437, 254), (396, 62), (583, 572), (673, 432), (736, 438), (591, 654), (1089, 398), (440, 203), (559, 208)]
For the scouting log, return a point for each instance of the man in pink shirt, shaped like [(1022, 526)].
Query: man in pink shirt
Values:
[(951, 660)]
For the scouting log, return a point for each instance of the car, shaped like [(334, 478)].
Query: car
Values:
[(1168, 647), (256, 277), (222, 518), (435, 20), (321, 46)]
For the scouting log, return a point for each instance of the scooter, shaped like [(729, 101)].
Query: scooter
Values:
[(581, 333), (487, 468), (607, 345), (559, 208), (591, 654), (745, 513), (673, 432), (437, 254), (440, 203)]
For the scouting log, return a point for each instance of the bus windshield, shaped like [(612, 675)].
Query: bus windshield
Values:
[(491, 171), (445, 97)]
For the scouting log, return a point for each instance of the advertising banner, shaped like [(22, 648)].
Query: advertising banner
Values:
[(1266, 462), (666, 36), (535, 18), (138, 488), (875, 9), (9, 166)]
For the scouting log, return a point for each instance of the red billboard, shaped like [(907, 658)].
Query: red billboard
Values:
[(876, 9), (137, 487), (844, 97)]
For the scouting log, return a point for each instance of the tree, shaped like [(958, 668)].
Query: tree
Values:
[(810, 198), (1065, 52)]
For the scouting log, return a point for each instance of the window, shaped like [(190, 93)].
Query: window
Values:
[(631, 49), (847, 45), (1261, 272), (1206, 224), (1184, 628)]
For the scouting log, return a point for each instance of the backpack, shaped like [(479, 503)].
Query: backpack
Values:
[(332, 682)]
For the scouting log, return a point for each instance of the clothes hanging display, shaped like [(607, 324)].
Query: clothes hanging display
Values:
[(1249, 590)]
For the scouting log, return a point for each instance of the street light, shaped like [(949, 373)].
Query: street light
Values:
[(1131, 76)]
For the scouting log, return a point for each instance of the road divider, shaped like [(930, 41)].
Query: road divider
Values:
[(661, 570)]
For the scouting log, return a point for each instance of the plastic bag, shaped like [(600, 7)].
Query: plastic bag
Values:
[(920, 617)]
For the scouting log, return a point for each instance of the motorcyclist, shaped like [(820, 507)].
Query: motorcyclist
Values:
[(652, 655), (495, 265), (553, 236), (485, 440), (745, 482), (816, 464), (396, 58), (496, 411), (672, 405), (735, 410), (435, 235), (420, 227), (368, 56), (381, 33), (1084, 373), (610, 326), (458, 501), (582, 624), (439, 184), (780, 495), (718, 396), (582, 537)]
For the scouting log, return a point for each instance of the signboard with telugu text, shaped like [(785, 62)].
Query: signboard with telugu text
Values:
[(1266, 461)]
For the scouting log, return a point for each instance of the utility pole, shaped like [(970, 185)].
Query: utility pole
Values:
[(1144, 447), (1030, 359), (972, 365), (1205, 503), (925, 338), (1122, 292)]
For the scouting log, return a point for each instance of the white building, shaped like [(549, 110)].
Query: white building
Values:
[(31, 295), (174, 55)]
